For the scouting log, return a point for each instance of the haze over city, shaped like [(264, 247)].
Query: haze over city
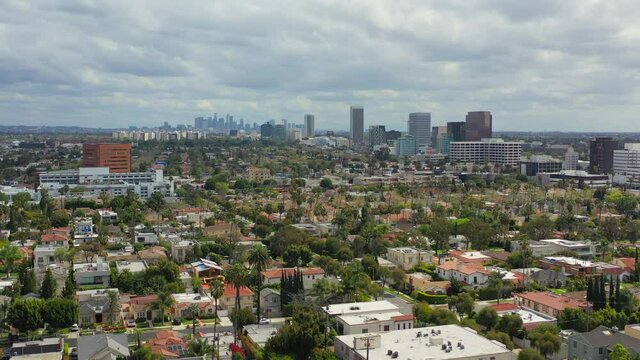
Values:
[(545, 65)]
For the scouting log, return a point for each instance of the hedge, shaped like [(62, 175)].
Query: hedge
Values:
[(430, 298)]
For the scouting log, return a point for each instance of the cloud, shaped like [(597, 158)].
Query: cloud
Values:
[(546, 65)]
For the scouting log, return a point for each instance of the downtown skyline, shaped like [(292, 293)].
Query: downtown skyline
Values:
[(536, 67)]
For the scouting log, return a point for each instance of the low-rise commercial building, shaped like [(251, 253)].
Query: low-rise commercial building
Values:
[(446, 342)]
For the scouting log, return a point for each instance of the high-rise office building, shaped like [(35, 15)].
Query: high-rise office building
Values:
[(117, 157), (377, 135), (439, 137), (393, 135), (570, 160), (279, 132), (309, 126), (601, 154), (200, 123), (266, 130), (357, 124), (479, 125), (419, 126), (456, 130), (626, 166)]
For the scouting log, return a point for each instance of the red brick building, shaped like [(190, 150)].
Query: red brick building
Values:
[(117, 157)]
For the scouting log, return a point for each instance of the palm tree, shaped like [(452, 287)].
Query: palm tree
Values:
[(194, 309), (216, 291), (238, 276), (259, 260), (199, 347), (165, 301)]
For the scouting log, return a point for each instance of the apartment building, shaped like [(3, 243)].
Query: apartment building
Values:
[(485, 151), (408, 257)]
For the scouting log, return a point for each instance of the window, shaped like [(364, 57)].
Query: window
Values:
[(386, 328), (364, 331), (575, 344), (601, 351)]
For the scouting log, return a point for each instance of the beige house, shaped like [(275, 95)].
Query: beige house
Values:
[(408, 257), (228, 300), (257, 175)]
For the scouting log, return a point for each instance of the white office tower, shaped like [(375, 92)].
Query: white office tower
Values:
[(626, 166), (309, 125), (570, 160), (419, 126)]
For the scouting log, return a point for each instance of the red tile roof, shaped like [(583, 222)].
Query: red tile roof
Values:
[(53, 237), (465, 268), (629, 263), (230, 290), (403, 317), (556, 302), (504, 307), (277, 273)]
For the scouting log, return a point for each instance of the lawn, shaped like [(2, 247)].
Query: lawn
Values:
[(559, 291)]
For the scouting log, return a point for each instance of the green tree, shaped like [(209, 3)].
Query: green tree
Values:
[(49, 286), (439, 232), (216, 290), (9, 255), (326, 183), (156, 203), (501, 337), (238, 276), (59, 313), (69, 289), (199, 347), (27, 279), (463, 303), (25, 315), (487, 317), (529, 354), (546, 339), (619, 353), (259, 260), (165, 301), (297, 255), (510, 324), (398, 277)]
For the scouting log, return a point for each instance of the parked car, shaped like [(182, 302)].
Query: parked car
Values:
[(176, 322), (73, 353), (75, 327), (131, 323), (265, 321)]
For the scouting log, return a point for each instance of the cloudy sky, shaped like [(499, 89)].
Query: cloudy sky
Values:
[(537, 65)]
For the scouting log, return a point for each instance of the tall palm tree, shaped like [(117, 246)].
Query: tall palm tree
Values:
[(194, 309), (199, 347), (165, 301), (259, 260), (238, 276), (216, 291)]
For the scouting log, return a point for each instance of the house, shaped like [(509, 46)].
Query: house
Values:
[(183, 301), (54, 239), (103, 346), (373, 322), (626, 263), (424, 282), (168, 344), (84, 231), (470, 257), (582, 249), (549, 303), (107, 216), (597, 343), (147, 238), (132, 266), (270, 304), (141, 307), (550, 278), (96, 307), (152, 255), (228, 300), (97, 273), (180, 249), (408, 257), (46, 349), (45, 255), (569, 265), (309, 276), (530, 318), (205, 269), (470, 273)]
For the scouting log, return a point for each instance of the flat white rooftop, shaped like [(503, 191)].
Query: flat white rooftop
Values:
[(428, 345), (569, 260), (369, 318), (360, 308), (528, 316), (566, 243)]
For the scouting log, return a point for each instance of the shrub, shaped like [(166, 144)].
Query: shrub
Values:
[(430, 298)]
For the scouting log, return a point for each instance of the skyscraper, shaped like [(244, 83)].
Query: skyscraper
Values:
[(601, 154), (357, 124), (439, 138), (419, 126), (479, 125), (309, 126), (456, 130), (377, 135)]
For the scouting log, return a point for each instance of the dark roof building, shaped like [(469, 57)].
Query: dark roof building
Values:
[(597, 343)]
